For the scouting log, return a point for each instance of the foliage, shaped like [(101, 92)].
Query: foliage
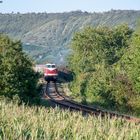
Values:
[(16, 72), (129, 66), (39, 123), (138, 26), (105, 62)]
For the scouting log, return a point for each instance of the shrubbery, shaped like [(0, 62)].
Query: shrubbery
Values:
[(17, 76), (106, 63)]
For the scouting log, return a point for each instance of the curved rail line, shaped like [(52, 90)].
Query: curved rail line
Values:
[(51, 91)]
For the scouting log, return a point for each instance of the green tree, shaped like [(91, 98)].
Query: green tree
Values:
[(129, 68), (16, 70), (137, 30), (96, 51)]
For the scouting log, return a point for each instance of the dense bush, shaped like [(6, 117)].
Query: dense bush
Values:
[(129, 67), (105, 62), (16, 73)]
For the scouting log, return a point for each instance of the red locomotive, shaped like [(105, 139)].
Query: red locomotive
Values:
[(50, 72)]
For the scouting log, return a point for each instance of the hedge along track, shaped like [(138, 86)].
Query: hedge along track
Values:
[(51, 92)]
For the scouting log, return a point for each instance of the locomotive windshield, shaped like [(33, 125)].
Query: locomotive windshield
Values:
[(50, 65), (53, 66)]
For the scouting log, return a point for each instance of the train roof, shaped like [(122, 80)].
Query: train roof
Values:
[(50, 64)]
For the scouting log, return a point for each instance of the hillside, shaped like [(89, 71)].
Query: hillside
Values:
[(46, 36)]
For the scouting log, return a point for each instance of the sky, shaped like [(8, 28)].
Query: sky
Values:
[(55, 6)]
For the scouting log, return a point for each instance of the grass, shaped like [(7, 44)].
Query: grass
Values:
[(38, 123)]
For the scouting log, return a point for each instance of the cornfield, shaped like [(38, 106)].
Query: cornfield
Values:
[(40, 123)]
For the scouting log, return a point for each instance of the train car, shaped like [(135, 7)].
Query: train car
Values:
[(50, 72)]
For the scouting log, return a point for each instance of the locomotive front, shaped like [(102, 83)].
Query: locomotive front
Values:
[(50, 72)]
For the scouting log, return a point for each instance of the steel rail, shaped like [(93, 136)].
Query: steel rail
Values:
[(63, 101)]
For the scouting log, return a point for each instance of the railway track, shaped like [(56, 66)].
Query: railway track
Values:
[(52, 92)]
